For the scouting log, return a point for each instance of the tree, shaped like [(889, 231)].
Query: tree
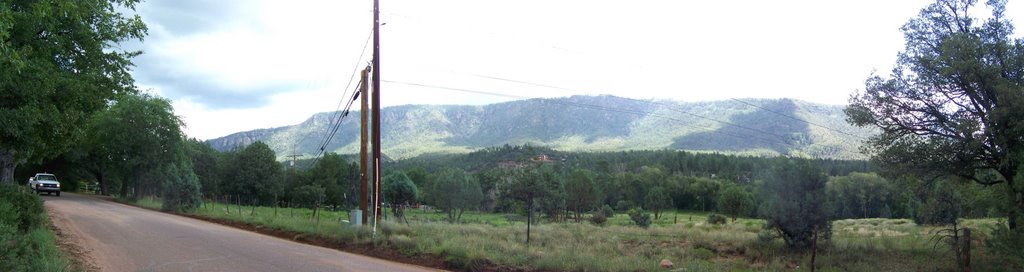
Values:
[(454, 191), (181, 189), (657, 200), (204, 160), (527, 186), (795, 194), (580, 193), (52, 81), (136, 137), (953, 104), (399, 192), (253, 173), (329, 173), (735, 201)]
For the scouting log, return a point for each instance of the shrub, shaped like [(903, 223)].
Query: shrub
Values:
[(27, 209), (608, 211), (1007, 243), (640, 217), (703, 253), (598, 218), (181, 190), (716, 219), (623, 205)]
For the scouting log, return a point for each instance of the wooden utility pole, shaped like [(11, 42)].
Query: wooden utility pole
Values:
[(364, 175), (375, 100)]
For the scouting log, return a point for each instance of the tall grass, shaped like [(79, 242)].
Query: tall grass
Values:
[(681, 237), (26, 242)]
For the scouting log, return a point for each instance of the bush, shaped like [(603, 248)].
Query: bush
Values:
[(716, 219), (25, 243), (598, 218), (1007, 243), (623, 205), (181, 190), (608, 211), (26, 210), (640, 217)]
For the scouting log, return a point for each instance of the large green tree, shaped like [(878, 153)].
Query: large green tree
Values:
[(399, 192), (735, 201), (59, 62), (253, 174), (581, 195), (454, 191), (795, 203), (954, 103), (136, 137), (329, 174)]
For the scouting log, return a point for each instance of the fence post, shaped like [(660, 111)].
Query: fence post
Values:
[(967, 250)]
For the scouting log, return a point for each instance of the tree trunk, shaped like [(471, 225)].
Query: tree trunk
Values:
[(7, 165), (814, 249), (529, 219), (1018, 195)]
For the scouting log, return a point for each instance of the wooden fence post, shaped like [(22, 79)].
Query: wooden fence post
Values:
[(967, 250)]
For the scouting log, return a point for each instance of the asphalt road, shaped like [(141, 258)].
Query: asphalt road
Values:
[(118, 237)]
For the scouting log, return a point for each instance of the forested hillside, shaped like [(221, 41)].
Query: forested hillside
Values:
[(584, 123)]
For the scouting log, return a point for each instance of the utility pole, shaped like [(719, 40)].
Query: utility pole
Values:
[(293, 155), (364, 174), (375, 100)]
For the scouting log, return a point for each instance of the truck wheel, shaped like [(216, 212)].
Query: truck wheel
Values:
[(58, 193)]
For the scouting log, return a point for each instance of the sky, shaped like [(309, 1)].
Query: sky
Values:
[(238, 65)]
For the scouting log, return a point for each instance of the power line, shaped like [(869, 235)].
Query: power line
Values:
[(582, 105), (670, 107), (337, 113), (798, 119), (333, 129)]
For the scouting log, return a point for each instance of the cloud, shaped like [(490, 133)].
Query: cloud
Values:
[(237, 54)]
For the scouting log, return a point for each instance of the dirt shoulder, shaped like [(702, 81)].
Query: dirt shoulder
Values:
[(70, 243)]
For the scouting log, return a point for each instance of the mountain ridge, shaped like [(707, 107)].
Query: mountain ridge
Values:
[(764, 127)]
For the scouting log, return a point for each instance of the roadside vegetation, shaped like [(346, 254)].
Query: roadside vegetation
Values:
[(25, 238), (488, 241)]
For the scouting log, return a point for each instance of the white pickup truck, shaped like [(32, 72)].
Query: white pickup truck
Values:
[(44, 183)]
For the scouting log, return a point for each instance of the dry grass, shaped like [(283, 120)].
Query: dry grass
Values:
[(683, 238)]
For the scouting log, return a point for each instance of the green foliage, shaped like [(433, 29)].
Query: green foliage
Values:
[(22, 212), (50, 81), (181, 189), (330, 174), (657, 200), (580, 192), (972, 125), (308, 195), (716, 219), (454, 191), (205, 164), (624, 205), (865, 195), (598, 218), (1007, 242), (639, 217), (607, 211), (399, 192), (252, 172), (539, 187), (796, 203), (941, 206), (27, 244), (136, 138), (735, 201)]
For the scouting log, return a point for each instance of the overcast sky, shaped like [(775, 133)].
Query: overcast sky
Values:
[(231, 66)]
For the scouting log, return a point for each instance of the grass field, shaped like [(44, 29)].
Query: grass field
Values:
[(683, 238)]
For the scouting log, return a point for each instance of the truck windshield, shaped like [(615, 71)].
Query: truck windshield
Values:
[(46, 177)]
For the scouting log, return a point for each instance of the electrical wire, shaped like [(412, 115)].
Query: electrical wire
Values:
[(589, 106)]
